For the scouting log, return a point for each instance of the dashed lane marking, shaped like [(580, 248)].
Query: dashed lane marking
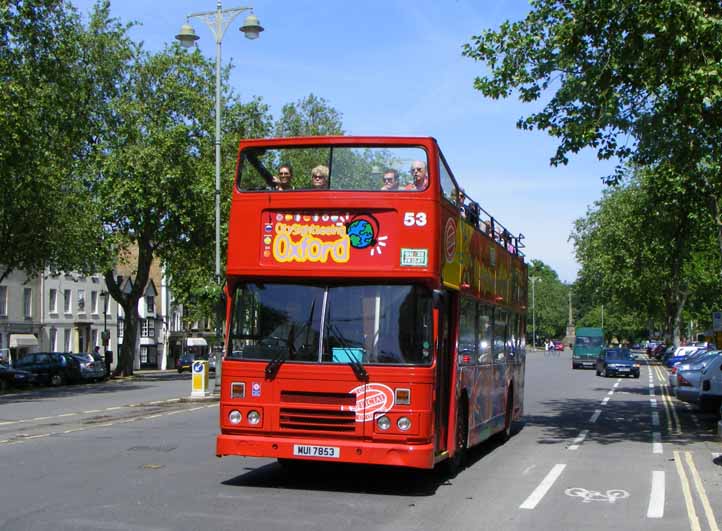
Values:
[(579, 440), (595, 416), (605, 400), (657, 443), (656, 497), (24, 438), (536, 496)]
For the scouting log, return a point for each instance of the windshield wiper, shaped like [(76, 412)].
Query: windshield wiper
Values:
[(275, 364), (354, 362)]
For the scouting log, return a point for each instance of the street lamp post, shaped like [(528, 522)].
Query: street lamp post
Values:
[(218, 22), (533, 281)]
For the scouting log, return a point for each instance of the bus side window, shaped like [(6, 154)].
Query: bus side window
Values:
[(500, 335), (485, 333), (468, 339), (449, 190)]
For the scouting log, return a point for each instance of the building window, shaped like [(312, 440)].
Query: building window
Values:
[(67, 301), (28, 302), (81, 300), (149, 304), (147, 328), (121, 330), (94, 302), (53, 339), (53, 301), (4, 301), (66, 342)]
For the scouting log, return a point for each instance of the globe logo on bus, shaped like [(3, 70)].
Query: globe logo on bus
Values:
[(360, 233)]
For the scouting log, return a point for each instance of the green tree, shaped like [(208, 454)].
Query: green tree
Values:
[(57, 76), (150, 175), (550, 298), (645, 255), (636, 80)]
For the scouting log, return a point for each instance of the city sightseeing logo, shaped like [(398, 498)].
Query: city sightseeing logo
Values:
[(322, 238)]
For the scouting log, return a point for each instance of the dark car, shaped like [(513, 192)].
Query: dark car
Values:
[(617, 362), (10, 377), (54, 368), (185, 362)]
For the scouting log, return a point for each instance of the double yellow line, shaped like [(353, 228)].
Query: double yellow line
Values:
[(673, 425), (687, 491)]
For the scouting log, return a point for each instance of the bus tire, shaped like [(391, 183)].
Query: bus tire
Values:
[(505, 434), (456, 463)]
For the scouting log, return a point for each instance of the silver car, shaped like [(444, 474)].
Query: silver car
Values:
[(697, 357), (689, 381), (92, 366)]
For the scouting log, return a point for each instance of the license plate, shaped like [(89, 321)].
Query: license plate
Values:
[(304, 450), (623, 370)]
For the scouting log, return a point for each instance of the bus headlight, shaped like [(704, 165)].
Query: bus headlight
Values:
[(403, 423), (234, 417), (254, 417), (384, 423)]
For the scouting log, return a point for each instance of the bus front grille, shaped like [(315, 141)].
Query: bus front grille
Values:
[(323, 420)]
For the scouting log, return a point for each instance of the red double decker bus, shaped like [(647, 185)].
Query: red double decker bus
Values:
[(374, 314)]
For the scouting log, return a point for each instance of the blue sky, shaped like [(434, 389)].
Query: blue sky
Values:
[(394, 67)]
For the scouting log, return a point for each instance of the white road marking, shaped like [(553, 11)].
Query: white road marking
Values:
[(616, 385), (546, 484), (656, 497), (655, 418), (610, 393), (93, 411), (653, 402), (702, 493), (579, 440), (604, 402), (595, 416), (657, 443)]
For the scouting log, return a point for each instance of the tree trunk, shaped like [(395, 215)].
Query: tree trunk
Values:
[(129, 301)]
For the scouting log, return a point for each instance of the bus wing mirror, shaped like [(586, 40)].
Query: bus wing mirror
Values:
[(438, 298)]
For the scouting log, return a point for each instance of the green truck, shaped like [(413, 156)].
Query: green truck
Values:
[(588, 344)]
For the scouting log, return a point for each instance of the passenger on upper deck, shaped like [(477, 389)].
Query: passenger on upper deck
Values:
[(283, 180), (421, 178), (391, 179), (319, 177)]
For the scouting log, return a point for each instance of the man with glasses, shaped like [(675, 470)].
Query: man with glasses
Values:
[(283, 180), (421, 178), (391, 179)]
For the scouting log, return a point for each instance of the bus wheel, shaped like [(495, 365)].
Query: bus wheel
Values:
[(456, 463), (508, 415)]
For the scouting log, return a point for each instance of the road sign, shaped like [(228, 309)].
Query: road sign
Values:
[(199, 369), (717, 321)]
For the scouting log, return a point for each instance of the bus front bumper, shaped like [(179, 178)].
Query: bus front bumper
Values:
[(362, 452)]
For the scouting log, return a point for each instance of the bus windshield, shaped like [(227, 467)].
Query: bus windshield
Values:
[(333, 168), (369, 324)]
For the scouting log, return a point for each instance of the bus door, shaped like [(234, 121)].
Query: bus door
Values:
[(444, 370)]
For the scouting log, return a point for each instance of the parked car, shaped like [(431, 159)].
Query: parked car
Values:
[(681, 354), (92, 366), (697, 361), (558, 345), (702, 386), (617, 362), (10, 377), (185, 362), (54, 368)]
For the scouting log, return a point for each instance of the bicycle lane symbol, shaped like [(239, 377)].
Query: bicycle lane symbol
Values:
[(588, 496)]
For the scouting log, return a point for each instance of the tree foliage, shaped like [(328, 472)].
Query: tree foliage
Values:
[(548, 302), (56, 77), (636, 80), (647, 255)]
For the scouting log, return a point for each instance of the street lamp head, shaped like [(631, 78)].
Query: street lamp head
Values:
[(187, 36), (251, 27)]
